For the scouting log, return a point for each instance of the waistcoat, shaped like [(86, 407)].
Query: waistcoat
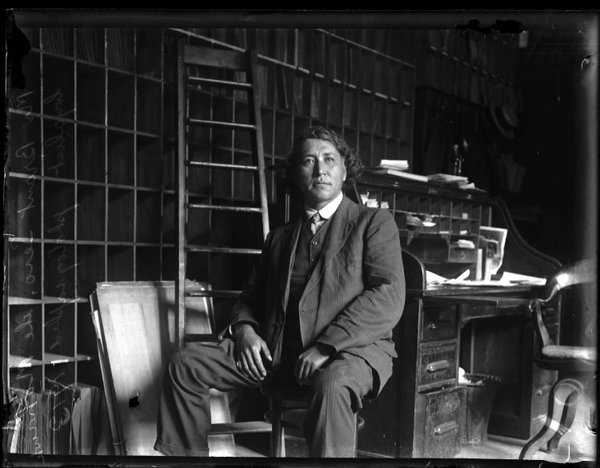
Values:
[(308, 251)]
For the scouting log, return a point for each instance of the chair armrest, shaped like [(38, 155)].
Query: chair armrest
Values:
[(538, 322)]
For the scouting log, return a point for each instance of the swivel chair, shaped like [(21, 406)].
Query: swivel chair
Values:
[(576, 365)]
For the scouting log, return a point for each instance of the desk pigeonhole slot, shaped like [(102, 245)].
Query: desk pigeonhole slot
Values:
[(437, 365)]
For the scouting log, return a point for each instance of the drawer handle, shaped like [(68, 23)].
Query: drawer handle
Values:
[(437, 366), (445, 428), (432, 326)]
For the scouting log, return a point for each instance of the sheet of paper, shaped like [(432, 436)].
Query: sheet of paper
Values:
[(494, 258)]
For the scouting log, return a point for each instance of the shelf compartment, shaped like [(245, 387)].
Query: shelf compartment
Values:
[(25, 279), (149, 106), (26, 331), (59, 272), (148, 217), (59, 204), (148, 160), (242, 138), (302, 94), (121, 215), (335, 104), (120, 48), (90, 93), (24, 151), (147, 263), (58, 146), (90, 44), (59, 332), (365, 149), (121, 99), (199, 223), (283, 133), (58, 98), (62, 373), (91, 213), (267, 118), (169, 212), (120, 266), (23, 207), (57, 41), (26, 377), (120, 158), (90, 153), (91, 261), (149, 52), (27, 97)]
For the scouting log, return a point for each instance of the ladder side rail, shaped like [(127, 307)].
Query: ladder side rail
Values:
[(255, 110), (181, 195)]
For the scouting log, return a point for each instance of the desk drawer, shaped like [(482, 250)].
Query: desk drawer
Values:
[(436, 366), (442, 430), (438, 322)]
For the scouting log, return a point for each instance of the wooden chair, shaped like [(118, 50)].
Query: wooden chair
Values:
[(575, 364), (286, 408)]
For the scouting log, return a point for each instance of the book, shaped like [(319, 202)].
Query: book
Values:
[(399, 164)]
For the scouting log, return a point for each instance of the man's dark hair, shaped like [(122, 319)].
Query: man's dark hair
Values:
[(352, 162)]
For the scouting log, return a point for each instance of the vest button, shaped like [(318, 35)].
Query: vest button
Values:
[(314, 242)]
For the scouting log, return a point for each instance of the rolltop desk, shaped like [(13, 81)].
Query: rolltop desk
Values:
[(485, 329)]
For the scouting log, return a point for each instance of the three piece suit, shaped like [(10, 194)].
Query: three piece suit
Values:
[(352, 297)]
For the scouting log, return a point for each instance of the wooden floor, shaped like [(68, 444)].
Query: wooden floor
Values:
[(579, 445)]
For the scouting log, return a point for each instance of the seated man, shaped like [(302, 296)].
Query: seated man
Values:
[(317, 312)]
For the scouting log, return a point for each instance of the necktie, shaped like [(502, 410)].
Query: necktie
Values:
[(315, 223)]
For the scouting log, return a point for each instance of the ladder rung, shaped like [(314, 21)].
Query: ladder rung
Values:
[(218, 123), (224, 207), (212, 293), (240, 167), (229, 250), (224, 83), (246, 427)]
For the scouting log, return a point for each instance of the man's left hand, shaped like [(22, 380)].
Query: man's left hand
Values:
[(309, 362)]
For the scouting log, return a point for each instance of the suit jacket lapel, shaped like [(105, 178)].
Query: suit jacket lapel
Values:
[(286, 261), (342, 223)]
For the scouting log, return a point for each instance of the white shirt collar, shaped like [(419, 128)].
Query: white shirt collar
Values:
[(328, 210)]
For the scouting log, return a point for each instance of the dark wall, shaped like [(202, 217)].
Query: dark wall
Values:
[(546, 144)]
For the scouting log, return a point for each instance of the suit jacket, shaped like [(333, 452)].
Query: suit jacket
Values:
[(353, 298)]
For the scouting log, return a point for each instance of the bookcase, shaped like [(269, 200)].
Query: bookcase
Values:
[(85, 192), (90, 189)]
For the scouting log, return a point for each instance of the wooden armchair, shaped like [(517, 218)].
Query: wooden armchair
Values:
[(575, 364)]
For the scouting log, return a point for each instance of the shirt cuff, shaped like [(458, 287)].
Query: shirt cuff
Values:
[(229, 331), (329, 349)]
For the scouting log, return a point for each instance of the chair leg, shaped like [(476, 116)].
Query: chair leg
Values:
[(277, 434), (562, 405), (568, 416)]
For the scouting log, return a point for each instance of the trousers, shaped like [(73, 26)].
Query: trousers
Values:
[(334, 395)]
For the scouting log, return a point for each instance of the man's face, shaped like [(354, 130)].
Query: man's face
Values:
[(319, 172)]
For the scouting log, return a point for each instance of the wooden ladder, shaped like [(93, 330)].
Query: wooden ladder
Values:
[(200, 71)]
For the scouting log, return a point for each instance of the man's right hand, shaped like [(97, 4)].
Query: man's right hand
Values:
[(249, 351)]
